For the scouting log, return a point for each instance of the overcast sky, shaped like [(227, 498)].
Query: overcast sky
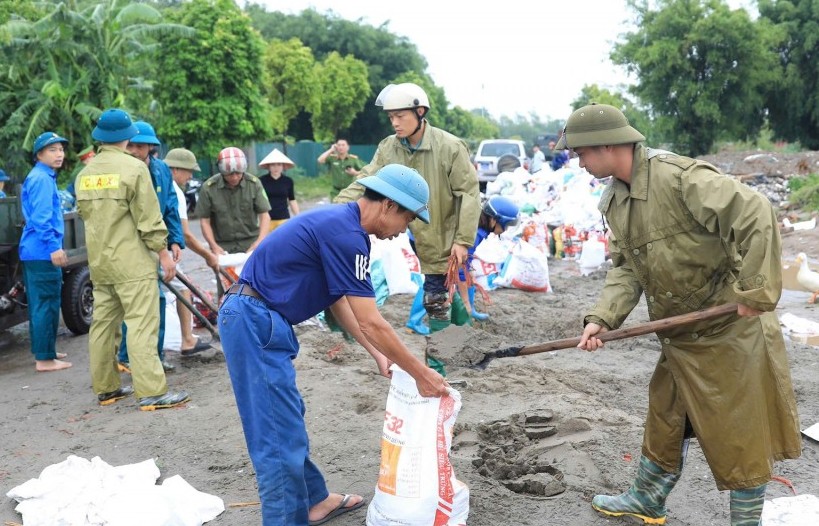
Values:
[(513, 57)]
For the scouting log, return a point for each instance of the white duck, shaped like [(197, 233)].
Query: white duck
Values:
[(806, 277)]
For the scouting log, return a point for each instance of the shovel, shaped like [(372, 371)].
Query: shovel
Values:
[(616, 334)]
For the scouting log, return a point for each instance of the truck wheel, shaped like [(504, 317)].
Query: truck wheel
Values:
[(78, 300)]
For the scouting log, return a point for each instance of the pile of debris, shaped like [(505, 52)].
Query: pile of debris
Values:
[(767, 172)]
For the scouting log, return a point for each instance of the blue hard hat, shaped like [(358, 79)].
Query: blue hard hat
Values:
[(46, 139), (114, 125), (146, 134), (403, 185), (3, 177), (502, 209)]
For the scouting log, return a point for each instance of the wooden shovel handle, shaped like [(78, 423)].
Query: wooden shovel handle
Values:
[(636, 330)]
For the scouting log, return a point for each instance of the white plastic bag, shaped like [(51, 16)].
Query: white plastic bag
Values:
[(592, 255), (486, 263), (94, 493), (416, 483), (399, 262), (799, 510), (173, 327), (492, 249), (527, 269)]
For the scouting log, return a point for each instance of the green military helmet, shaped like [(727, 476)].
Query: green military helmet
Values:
[(182, 158), (597, 125)]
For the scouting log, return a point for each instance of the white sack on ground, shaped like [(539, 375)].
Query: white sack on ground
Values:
[(236, 260), (592, 255), (173, 327), (527, 269), (79, 492), (416, 483), (795, 325), (398, 262), (799, 510)]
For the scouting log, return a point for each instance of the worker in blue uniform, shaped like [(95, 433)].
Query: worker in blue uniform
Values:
[(315, 260)]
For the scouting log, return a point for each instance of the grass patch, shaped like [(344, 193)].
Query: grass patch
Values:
[(310, 188), (805, 191), (764, 142)]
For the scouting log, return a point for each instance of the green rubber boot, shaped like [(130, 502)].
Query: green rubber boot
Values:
[(645, 499), (458, 313), (746, 506), (435, 326)]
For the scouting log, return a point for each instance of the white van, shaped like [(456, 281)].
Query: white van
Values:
[(490, 150)]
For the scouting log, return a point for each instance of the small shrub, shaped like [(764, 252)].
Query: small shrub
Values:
[(805, 191)]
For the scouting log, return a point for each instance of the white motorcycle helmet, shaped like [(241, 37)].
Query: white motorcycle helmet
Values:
[(402, 97)]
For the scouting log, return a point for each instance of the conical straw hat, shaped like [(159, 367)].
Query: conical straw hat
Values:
[(277, 157)]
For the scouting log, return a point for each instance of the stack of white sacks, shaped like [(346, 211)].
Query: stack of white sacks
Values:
[(519, 257)]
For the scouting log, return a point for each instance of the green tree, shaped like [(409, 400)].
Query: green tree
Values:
[(705, 67), (63, 68), (26, 9), (290, 81), (794, 102), (525, 128), (207, 86), (387, 56), (655, 129), (457, 121), (344, 87), (470, 126)]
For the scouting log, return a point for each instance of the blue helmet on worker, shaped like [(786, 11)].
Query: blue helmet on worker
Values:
[(502, 209), (145, 134), (114, 125), (46, 139), (403, 185)]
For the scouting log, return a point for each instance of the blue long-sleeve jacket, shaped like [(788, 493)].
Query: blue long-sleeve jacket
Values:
[(43, 231), (168, 203)]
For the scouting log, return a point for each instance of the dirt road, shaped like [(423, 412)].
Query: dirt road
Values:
[(596, 403)]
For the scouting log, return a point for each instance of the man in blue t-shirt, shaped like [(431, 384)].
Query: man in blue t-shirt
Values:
[(316, 260)]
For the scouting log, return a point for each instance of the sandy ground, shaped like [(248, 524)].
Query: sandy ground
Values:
[(574, 417)]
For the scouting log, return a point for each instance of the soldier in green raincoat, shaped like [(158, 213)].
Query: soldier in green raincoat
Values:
[(688, 237), (454, 204)]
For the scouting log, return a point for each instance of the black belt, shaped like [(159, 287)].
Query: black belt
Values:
[(243, 289)]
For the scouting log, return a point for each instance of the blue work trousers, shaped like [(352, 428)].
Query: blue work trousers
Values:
[(259, 347), (43, 282), (123, 348)]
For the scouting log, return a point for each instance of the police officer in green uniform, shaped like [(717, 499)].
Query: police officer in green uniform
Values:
[(686, 237), (124, 233), (343, 166), (232, 206)]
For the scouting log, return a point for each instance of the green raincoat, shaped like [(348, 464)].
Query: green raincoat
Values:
[(689, 238), (454, 205)]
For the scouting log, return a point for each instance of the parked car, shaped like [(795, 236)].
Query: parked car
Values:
[(491, 150)]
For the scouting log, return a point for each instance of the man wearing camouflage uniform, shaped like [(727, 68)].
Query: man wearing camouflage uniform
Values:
[(689, 238)]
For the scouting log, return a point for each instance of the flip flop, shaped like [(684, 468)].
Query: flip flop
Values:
[(339, 510), (199, 347)]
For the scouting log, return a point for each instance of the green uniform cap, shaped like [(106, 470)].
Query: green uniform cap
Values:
[(182, 158), (597, 125)]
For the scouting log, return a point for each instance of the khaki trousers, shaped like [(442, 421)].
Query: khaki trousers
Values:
[(137, 304)]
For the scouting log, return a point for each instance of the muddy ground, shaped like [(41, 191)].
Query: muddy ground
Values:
[(588, 411)]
